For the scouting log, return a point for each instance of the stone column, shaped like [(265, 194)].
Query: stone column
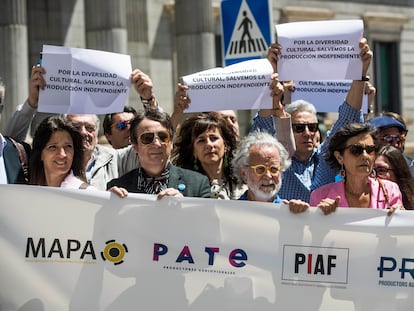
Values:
[(195, 41), (106, 22), (13, 55)]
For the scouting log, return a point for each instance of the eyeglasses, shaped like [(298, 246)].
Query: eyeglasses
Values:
[(261, 169), (149, 137), (88, 127), (382, 171), (300, 127), (357, 149), (121, 125), (392, 139)]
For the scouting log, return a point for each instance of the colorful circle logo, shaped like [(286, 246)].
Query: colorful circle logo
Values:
[(114, 252)]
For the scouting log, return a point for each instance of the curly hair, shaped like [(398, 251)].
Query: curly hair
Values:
[(42, 136), (262, 139), (183, 151), (402, 173), (340, 138)]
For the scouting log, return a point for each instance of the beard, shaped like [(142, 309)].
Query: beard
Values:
[(268, 194)]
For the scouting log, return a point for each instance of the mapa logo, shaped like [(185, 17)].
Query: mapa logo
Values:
[(315, 264), (114, 252), (72, 250)]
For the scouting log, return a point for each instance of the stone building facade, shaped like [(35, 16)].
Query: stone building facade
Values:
[(167, 39)]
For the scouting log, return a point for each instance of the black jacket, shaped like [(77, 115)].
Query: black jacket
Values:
[(13, 163), (196, 184)]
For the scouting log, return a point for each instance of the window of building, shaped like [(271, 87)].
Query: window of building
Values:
[(387, 76)]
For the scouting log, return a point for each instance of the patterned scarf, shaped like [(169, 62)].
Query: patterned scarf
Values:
[(152, 185)]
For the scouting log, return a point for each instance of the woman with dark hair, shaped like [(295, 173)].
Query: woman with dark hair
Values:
[(57, 155), (205, 145), (352, 151), (390, 164)]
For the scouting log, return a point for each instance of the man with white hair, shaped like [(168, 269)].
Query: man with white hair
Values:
[(259, 162)]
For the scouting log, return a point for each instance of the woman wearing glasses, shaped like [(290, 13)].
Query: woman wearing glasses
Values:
[(205, 145), (352, 151), (151, 138), (390, 164)]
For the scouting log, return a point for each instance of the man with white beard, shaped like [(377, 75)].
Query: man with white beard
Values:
[(259, 162)]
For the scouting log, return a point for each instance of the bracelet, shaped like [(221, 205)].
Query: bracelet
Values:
[(147, 102), (365, 78)]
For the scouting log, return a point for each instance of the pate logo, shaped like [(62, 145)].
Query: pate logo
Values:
[(315, 264), (72, 251)]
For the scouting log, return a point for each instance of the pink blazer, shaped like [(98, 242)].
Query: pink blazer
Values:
[(377, 195)]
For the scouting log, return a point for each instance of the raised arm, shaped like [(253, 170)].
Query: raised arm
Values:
[(356, 92), (143, 86), (181, 103), (18, 125)]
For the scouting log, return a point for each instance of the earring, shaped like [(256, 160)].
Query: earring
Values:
[(195, 166), (342, 171), (225, 161)]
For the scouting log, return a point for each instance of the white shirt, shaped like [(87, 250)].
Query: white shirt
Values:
[(73, 182)]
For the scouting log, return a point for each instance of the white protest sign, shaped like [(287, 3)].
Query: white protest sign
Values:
[(322, 50), (84, 81), (326, 96), (241, 86)]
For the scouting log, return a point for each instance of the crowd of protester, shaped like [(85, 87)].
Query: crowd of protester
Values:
[(281, 160)]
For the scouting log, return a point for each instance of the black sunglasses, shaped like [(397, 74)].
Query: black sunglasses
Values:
[(300, 127), (121, 125), (357, 149), (149, 137), (391, 139)]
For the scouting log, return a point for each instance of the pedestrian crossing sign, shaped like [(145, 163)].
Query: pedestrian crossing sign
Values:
[(247, 29)]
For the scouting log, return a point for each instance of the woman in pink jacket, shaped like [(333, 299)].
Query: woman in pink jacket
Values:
[(352, 150)]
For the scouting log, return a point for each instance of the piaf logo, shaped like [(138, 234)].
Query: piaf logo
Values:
[(72, 251), (315, 264)]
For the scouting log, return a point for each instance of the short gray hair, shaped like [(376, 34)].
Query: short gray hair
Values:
[(241, 156), (300, 105)]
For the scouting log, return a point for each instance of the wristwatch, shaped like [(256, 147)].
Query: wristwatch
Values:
[(147, 103)]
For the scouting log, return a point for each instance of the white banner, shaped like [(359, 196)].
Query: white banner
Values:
[(320, 50), (86, 250), (326, 96), (84, 81), (241, 86)]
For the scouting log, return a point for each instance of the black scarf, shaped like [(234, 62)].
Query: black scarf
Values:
[(153, 184)]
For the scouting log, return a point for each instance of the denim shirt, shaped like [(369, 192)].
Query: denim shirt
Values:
[(301, 178)]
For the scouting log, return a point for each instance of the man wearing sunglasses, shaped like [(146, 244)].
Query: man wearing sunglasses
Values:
[(391, 132), (151, 138), (116, 127), (309, 169)]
